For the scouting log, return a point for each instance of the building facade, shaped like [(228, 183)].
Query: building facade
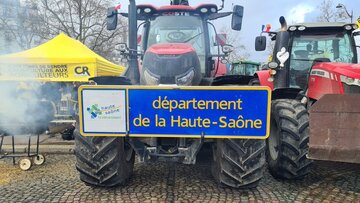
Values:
[(16, 19), (8, 18)]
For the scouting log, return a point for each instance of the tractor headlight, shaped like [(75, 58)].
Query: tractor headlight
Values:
[(302, 28), (348, 27), (349, 81), (150, 78), (293, 28), (273, 65), (186, 79)]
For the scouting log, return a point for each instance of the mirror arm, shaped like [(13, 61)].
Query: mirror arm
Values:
[(117, 13), (268, 33), (124, 14), (218, 55), (112, 14), (131, 51), (219, 15)]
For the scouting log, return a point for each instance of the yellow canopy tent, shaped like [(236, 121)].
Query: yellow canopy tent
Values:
[(61, 59)]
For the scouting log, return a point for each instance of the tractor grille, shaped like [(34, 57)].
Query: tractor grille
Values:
[(351, 89)]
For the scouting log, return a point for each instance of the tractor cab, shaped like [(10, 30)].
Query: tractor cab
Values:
[(178, 43), (175, 53), (331, 43), (316, 84), (246, 68), (307, 44)]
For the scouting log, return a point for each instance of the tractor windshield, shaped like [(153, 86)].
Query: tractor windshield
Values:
[(308, 47), (179, 29)]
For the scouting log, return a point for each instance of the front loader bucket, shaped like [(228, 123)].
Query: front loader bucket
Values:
[(335, 128)]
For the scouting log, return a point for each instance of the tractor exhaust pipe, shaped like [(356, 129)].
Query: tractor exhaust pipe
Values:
[(133, 71), (281, 79), (283, 24)]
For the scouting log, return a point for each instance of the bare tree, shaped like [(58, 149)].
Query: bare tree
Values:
[(84, 20), (234, 39), (329, 13)]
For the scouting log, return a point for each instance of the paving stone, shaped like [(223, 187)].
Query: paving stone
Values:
[(57, 181)]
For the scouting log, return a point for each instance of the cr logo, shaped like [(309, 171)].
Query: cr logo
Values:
[(82, 70)]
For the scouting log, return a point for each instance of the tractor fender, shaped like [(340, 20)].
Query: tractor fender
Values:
[(263, 77)]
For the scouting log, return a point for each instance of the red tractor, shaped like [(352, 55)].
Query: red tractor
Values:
[(178, 48), (313, 70)]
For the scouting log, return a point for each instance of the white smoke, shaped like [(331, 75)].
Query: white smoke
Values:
[(23, 107)]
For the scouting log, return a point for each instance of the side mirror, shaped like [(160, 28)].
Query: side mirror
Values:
[(237, 17), (260, 43), (112, 18), (227, 49)]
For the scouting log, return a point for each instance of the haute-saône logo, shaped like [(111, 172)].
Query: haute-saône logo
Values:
[(103, 112)]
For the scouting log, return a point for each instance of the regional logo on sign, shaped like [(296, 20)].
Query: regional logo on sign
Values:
[(103, 112)]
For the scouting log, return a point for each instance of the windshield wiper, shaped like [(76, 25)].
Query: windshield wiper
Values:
[(193, 37)]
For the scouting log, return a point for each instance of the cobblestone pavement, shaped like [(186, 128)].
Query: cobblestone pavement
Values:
[(57, 181)]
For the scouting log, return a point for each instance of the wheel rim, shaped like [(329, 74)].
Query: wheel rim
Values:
[(39, 159), (273, 141), (25, 164)]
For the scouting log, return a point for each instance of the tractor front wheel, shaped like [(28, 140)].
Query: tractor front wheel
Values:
[(238, 163), (103, 161), (287, 145)]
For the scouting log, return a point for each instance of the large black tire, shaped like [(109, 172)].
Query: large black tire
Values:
[(287, 145), (238, 163), (103, 161)]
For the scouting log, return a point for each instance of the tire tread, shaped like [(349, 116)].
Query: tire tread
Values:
[(101, 160), (292, 120), (239, 163)]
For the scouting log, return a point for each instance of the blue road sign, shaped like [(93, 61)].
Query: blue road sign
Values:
[(142, 111)]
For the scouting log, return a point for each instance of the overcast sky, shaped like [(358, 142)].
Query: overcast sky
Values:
[(259, 12)]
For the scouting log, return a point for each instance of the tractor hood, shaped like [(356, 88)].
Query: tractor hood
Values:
[(345, 69), (173, 63)]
